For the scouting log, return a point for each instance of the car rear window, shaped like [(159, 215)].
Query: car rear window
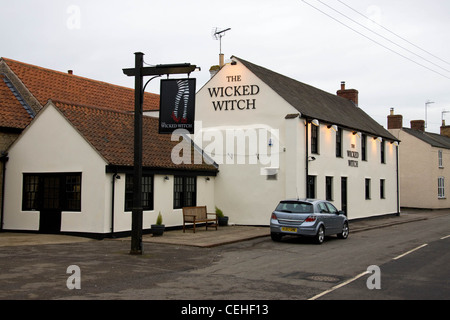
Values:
[(295, 207)]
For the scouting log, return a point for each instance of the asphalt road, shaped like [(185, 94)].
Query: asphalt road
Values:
[(260, 269)]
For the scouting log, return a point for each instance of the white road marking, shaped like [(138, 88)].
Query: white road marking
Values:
[(408, 252), (339, 285)]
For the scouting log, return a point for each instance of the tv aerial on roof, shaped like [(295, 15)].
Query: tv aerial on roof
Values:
[(218, 33)]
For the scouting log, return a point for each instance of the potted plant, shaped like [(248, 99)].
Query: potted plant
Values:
[(223, 220), (158, 228)]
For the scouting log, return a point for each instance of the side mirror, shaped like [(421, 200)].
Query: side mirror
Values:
[(340, 212)]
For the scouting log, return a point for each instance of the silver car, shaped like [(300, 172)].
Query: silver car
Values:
[(308, 217)]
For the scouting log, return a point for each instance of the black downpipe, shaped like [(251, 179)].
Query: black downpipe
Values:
[(112, 202), (398, 187), (307, 155), (3, 158)]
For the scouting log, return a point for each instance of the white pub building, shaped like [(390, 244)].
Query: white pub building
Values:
[(275, 138)]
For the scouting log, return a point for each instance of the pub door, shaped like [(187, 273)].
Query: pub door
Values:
[(50, 211)]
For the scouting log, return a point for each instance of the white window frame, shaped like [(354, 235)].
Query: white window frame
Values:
[(441, 187), (441, 165)]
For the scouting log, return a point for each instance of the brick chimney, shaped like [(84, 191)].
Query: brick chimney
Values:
[(350, 94), (395, 121), (418, 125), (445, 130)]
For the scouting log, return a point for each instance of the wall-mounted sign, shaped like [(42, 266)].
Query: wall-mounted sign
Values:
[(354, 155), (241, 94), (177, 105)]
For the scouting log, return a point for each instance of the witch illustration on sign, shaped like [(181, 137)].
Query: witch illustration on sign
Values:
[(177, 105), (183, 96)]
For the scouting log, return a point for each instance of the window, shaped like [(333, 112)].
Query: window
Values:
[(329, 188), (441, 188), (73, 192), (147, 192), (364, 147), (314, 139), (383, 148), (295, 207), (339, 143), (382, 184), (367, 188), (184, 192), (30, 192), (323, 207), (59, 191), (440, 159), (311, 192), (331, 208)]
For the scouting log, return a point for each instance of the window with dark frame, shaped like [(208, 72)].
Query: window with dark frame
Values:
[(73, 192), (147, 192), (329, 188), (184, 192), (30, 198), (339, 143), (367, 188), (314, 139), (383, 153), (59, 191), (382, 186), (311, 192), (364, 147)]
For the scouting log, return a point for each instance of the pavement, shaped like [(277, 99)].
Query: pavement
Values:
[(212, 237)]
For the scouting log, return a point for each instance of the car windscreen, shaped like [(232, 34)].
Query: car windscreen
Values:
[(295, 207)]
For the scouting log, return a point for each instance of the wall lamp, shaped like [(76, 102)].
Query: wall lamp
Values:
[(395, 143), (315, 122), (333, 126), (357, 133), (207, 179), (311, 158), (378, 138), (166, 178)]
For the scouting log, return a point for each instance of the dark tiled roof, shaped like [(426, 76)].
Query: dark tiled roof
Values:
[(433, 139), (111, 134), (317, 104)]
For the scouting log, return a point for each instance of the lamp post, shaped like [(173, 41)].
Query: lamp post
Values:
[(138, 72)]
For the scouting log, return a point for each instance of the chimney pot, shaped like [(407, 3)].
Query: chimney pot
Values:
[(342, 85)]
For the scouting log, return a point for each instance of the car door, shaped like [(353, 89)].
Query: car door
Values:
[(325, 217), (335, 219)]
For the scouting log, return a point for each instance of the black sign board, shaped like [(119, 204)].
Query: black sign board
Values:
[(177, 105)]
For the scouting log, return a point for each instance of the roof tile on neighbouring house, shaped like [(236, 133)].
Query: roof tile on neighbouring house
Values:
[(12, 113), (111, 133), (45, 84)]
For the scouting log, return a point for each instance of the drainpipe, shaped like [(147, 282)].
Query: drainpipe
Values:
[(3, 158), (114, 177), (398, 187), (306, 155)]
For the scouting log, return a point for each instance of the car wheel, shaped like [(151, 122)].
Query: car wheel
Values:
[(320, 236), (345, 231), (275, 236)]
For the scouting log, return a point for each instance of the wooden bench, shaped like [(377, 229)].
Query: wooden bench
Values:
[(198, 215)]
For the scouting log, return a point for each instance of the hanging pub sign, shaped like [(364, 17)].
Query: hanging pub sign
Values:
[(177, 105)]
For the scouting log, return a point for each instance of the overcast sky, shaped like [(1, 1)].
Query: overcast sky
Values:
[(356, 41)]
